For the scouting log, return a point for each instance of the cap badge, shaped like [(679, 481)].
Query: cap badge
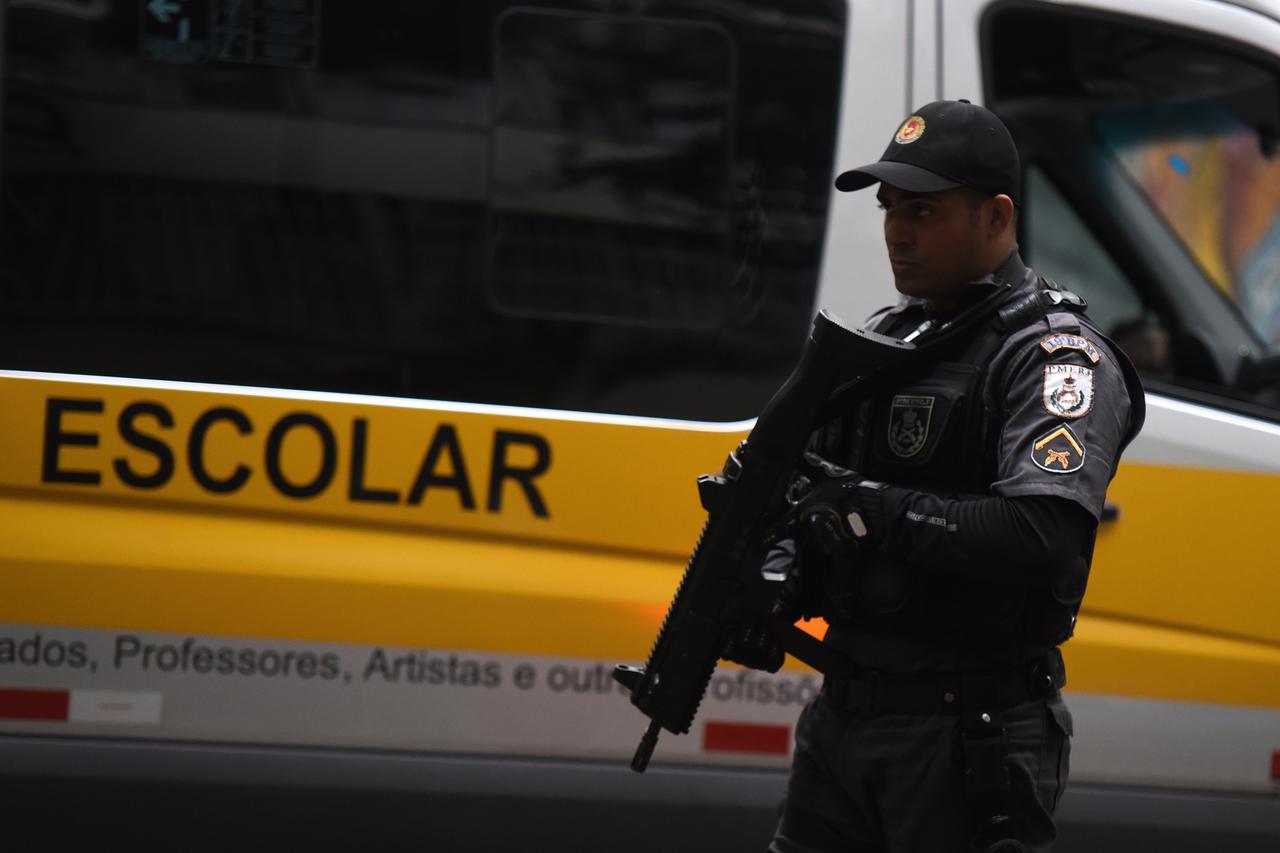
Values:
[(911, 130)]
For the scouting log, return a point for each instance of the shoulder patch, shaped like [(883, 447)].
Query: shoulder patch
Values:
[(1058, 451), (1068, 390), (1053, 343), (909, 424)]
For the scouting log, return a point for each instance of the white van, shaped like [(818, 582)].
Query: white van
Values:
[(356, 362)]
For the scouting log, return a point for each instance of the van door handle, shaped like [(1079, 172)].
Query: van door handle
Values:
[(1110, 512)]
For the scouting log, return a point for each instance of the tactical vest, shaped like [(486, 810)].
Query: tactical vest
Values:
[(936, 429)]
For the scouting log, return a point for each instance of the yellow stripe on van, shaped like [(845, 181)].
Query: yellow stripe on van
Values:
[(108, 521), (1191, 549), (115, 566), (625, 485)]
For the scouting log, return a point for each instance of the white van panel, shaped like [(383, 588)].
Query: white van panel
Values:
[(855, 277)]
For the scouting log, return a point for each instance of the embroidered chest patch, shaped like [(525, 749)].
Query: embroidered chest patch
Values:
[(909, 418), (1058, 451), (1053, 343), (1068, 390)]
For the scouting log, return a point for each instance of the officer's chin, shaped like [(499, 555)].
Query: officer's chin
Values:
[(924, 286), (914, 283)]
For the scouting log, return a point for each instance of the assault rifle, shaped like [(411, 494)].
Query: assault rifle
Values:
[(722, 583)]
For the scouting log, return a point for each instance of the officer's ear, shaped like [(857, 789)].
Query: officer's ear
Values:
[(998, 215)]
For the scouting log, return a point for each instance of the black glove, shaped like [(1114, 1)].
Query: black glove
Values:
[(834, 510), (753, 643)]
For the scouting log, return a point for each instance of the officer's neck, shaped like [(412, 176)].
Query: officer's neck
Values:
[(1009, 272)]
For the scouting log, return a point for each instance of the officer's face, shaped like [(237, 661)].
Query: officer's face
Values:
[(937, 242)]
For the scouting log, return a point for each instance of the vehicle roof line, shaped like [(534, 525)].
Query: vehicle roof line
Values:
[(1269, 8)]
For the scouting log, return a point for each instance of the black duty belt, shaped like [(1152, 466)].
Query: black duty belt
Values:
[(871, 692)]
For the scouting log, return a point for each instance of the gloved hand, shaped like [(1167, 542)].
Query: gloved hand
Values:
[(833, 509), (753, 643)]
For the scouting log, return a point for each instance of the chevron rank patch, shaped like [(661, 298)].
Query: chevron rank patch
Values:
[(1068, 390), (1058, 451), (1053, 343)]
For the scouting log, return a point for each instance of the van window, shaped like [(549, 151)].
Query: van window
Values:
[(612, 151), (1164, 144), (516, 203), (1061, 247), (1216, 182)]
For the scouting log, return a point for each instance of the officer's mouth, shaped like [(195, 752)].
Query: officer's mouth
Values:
[(901, 267)]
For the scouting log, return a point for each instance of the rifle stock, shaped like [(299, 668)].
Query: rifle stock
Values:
[(722, 580)]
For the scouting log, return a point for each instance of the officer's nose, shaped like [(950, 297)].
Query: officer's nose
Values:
[(897, 237)]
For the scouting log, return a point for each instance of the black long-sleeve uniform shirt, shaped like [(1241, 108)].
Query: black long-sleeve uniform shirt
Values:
[(1061, 413)]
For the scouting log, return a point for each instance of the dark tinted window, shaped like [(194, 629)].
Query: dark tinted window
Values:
[(531, 205), (612, 153)]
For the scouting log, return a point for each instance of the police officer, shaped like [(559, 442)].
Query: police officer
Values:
[(970, 489)]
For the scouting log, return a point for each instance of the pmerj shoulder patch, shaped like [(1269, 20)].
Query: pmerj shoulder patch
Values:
[(1058, 451), (1068, 390), (1053, 343), (909, 418)]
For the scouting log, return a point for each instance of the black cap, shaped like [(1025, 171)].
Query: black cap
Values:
[(943, 145)]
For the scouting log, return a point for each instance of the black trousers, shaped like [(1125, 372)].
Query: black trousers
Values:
[(894, 783)]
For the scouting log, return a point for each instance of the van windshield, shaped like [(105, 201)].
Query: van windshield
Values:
[(1206, 173)]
